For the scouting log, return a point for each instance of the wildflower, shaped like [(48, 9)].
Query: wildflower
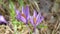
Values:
[(2, 20), (24, 15), (36, 19)]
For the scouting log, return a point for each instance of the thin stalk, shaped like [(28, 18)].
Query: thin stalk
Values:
[(34, 30), (28, 28), (15, 29)]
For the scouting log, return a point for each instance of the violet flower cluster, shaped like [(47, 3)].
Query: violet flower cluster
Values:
[(24, 16)]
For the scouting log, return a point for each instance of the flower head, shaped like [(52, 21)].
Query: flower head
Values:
[(2, 20), (36, 19), (24, 15)]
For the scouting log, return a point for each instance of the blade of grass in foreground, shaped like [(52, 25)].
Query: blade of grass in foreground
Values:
[(21, 2), (12, 14)]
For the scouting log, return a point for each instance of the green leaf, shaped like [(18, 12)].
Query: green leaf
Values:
[(42, 26), (21, 3), (12, 10), (11, 5)]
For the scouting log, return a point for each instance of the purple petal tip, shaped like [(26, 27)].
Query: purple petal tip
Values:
[(2, 20)]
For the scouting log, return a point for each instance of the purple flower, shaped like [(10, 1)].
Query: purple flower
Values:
[(24, 15), (36, 19), (2, 20)]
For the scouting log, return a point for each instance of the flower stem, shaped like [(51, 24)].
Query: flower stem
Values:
[(15, 29), (28, 28), (34, 30)]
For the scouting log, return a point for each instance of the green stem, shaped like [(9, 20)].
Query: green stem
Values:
[(28, 28), (15, 29)]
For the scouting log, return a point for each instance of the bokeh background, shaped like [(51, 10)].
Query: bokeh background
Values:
[(50, 9)]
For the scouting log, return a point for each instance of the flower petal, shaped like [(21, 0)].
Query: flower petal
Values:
[(31, 20), (18, 15), (23, 10), (39, 19), (2, 20), (23, 19), (17, 12), (27, 14), (35, 13)]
